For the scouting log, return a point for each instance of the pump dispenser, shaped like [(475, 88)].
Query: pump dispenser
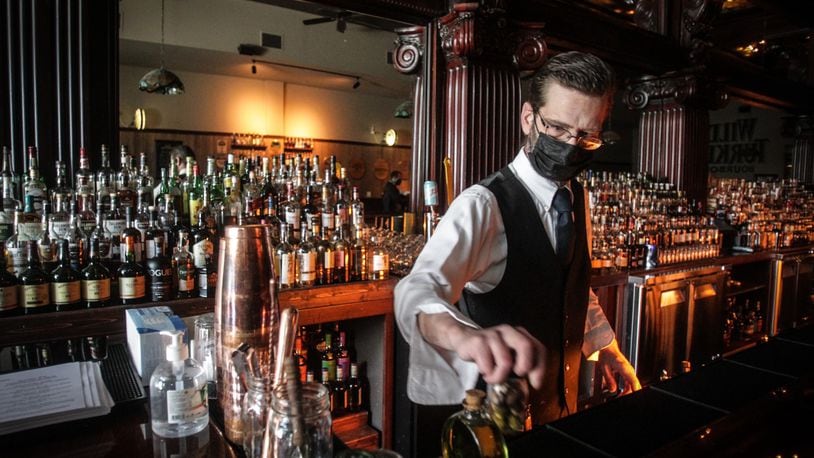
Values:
[(179, 404)]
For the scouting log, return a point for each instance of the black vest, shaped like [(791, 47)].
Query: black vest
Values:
[(536, 292)]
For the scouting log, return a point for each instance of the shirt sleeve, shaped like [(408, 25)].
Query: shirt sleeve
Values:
[(466, 244)]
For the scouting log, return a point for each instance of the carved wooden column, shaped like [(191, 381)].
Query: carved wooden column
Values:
[(484, 54), (802, 153), (417, 54), (674, 127)]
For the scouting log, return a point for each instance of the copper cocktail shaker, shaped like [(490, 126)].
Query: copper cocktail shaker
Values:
[(246, 311)]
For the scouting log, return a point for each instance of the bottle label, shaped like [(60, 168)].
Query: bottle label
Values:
[(6, 231), (96, 290), (308, 264), (29, 231), (430, 194), (328, 220), (186, 281), (328, 259), (359, 216), (115, 226), (330, 365), (131, 287), (381, 262), (35, 295), (59, 229), (65, 292), (160, 284), (344, 363), (187, 405), (287, 266), (339, 259), (293, 219), (342, 215), (151, 246), (8, 298), (136, 250), (201, 250), (88, 226), (194, 206), (46, 252), (16, 260)]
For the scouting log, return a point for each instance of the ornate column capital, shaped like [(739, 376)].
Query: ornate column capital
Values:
[(675, 88), (409, 52)]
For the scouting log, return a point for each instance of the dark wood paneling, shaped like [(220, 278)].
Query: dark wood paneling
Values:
[(61, 74)]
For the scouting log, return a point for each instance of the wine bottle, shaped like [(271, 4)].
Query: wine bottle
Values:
[(34, 290), (132, 288), (470, 432), (184, 268), (65, 281), (9, 303), (95, 280), (159, 276)]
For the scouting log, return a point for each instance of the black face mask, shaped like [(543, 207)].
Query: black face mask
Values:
[(398, 182), (557, 160)]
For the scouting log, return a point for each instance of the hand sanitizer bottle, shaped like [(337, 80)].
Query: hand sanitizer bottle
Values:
[(179, 405)]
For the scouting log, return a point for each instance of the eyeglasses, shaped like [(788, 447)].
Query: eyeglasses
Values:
[(586, 141)]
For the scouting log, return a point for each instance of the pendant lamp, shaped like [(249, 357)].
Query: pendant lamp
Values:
[(161, 80)]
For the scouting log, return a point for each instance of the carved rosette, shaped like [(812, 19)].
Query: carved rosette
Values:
[(530, 52), (677, 89), (409, 50)]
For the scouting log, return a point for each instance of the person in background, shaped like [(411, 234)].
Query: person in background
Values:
[(391, 198), (502, 288)]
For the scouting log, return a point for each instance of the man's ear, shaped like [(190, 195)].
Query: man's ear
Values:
[(526, 118)]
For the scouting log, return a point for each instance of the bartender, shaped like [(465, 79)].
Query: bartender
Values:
[(503, 286)]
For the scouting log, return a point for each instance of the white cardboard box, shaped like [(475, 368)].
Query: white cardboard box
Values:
[(146, 344)]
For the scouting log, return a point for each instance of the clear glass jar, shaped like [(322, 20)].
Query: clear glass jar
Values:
[(255, 410), (316, 436)]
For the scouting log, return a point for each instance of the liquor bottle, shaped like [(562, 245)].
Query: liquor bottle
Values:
[(145, 182), (125, 186), (160, 278), (105, 173), (130, 234), (326, 258), (87, 217), (16, 247), (328, 383), (357, 210), (270, 218), (357, 257), (339, 394), (299, 358), (247, 216), (431, 209), (230, 206), (379, 266), (343, 353), (59, 219), (186, 187), (204, 235), (328, 357), (30, 224), (153, 236), (340, 247), (342, 210), (183, 268), (212, 184), (310, 212), (285, 260), (9, 302), (115, 223), (306, 260), (9, 203), (77, 240), (85, 183), (46, 246), (101, 234), (357, 391), (61, 190), (207, 278), (166, 219), (470, 432), (34, 292), (230, 177), (175, 188), (35, 185), (252, 196), (142, 221), (95, 287), (195, 195), (65, 282), (162, 189), (292, 210), (132, 284)]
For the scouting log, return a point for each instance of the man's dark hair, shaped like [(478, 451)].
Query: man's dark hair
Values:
[(395, 174), (576, 70)]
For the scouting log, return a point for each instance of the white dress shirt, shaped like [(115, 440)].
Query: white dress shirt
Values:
[(468, 251)]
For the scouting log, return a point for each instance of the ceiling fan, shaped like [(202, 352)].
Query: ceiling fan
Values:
[(340, 18)]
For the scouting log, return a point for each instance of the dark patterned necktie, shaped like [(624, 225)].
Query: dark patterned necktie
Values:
[(564, 225)]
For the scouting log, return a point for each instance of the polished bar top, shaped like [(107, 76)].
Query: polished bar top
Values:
[(758, 402)]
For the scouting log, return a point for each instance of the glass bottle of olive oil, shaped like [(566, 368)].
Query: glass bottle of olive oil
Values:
[(470, 432)]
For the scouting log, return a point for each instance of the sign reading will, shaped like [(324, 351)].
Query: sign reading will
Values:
[(747, 145)]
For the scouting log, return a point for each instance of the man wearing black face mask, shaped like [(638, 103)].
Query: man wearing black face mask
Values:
[(391, 199), (503, 286)]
